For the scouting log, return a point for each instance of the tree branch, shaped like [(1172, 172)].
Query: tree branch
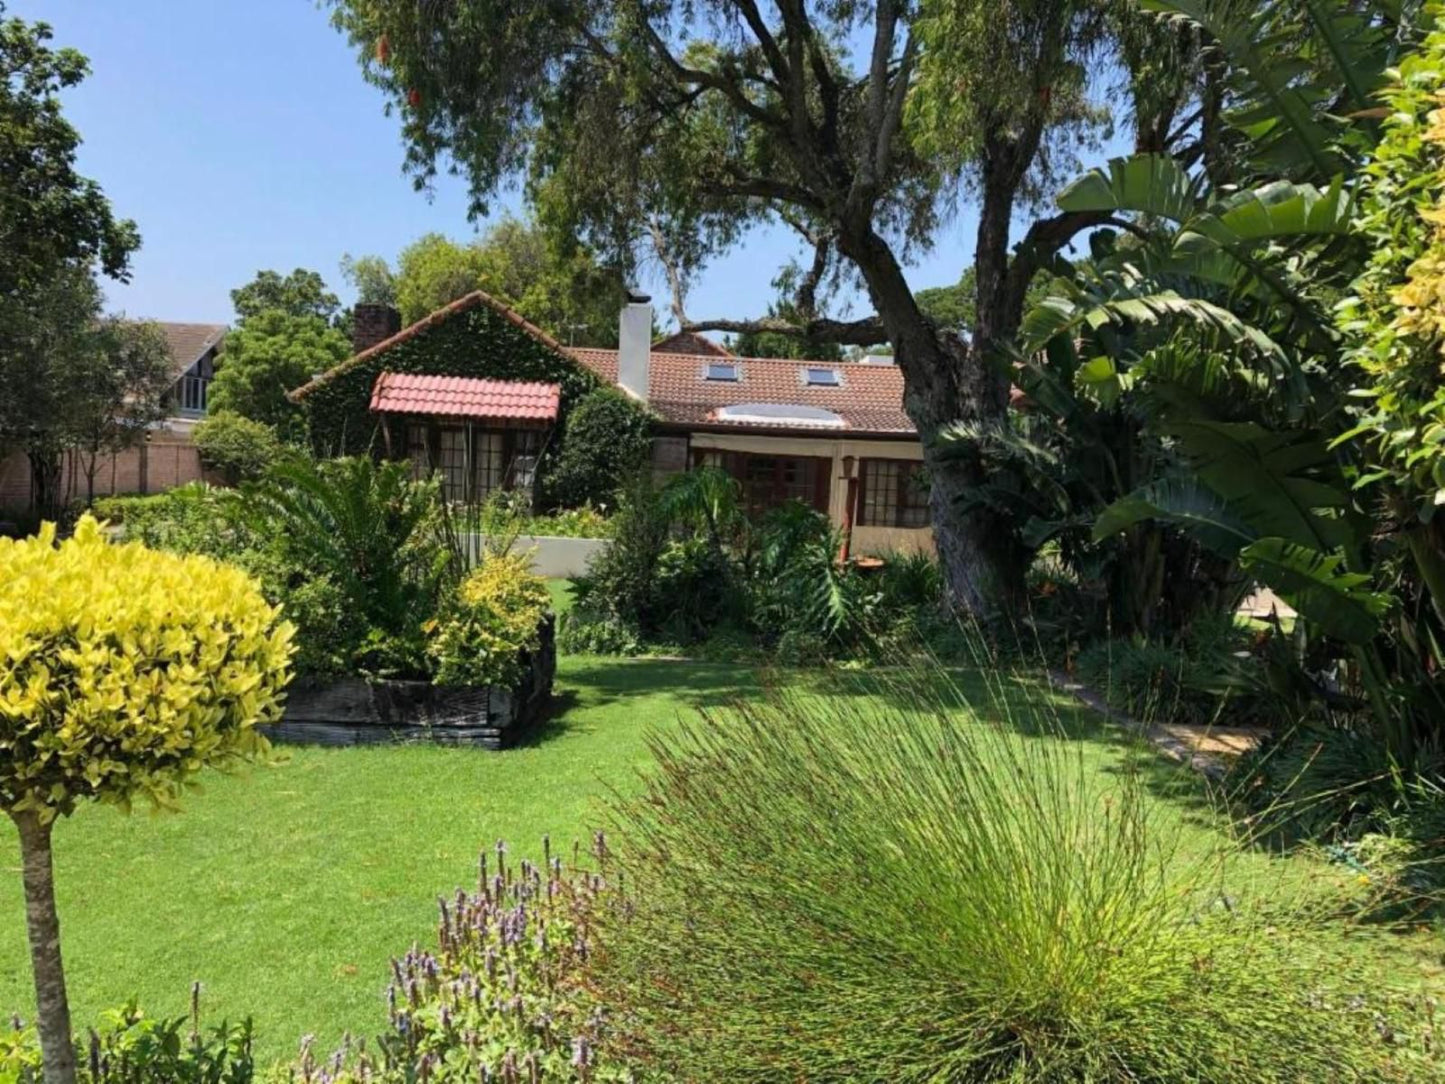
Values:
[(676, 286)]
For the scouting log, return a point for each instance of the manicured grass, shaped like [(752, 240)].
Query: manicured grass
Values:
[(285, 890)]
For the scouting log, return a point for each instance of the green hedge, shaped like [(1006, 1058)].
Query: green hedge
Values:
[(476, 343)]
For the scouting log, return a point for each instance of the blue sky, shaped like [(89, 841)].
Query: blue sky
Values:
[(239, 135)]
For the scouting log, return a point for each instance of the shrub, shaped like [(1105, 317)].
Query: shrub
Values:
[(126, 671), (193, 518), (608, 439), (239, 448), (585, 631), (507, 514), (883, 889), (129, 1047), (1207, 675), (496, 616), (621, 580), (503, 997), (375, 536)]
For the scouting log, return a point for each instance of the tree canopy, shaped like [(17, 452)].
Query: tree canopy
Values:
[(50, 215), (558, 286), (302, 293), (268, 354)]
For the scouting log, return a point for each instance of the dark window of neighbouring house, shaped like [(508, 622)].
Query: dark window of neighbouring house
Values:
[(892, 493), (724, 371)]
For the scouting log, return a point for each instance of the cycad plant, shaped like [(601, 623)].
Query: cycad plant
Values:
[(368, 529)]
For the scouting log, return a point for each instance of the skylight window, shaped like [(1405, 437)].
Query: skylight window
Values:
[(822, 378), (725, 371)]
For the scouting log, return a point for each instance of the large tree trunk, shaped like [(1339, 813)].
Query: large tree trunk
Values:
[(946, 380), (43, 924)]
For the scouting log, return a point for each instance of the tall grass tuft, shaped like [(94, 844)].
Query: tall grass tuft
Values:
[(885, 887)]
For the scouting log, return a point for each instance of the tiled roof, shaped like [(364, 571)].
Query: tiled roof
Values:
[(869, 398), (690, 342), (426, 323), (188, 342), (464, 397)]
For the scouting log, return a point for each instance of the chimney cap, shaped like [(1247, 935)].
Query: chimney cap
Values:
[(637, 297)]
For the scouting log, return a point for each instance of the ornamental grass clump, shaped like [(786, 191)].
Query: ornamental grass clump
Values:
[(123, 673), (884, 887)]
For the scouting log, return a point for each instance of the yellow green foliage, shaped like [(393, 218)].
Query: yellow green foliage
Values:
[(1396, 316), (124, 671), (497, 615)]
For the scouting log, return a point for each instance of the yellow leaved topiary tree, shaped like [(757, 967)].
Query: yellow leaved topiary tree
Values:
[(123, 672)]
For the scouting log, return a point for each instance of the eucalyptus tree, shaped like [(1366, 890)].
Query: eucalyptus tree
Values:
[(864, 125)]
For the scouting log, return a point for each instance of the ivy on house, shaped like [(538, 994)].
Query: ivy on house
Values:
[(475, 342)]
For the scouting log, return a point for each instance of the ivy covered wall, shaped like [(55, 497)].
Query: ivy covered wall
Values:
[(476, 342)]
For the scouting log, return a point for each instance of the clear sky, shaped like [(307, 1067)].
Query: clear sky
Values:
[(239, 135)]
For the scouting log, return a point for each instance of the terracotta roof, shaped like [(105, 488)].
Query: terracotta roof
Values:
[(868, 399), (465, 397), (426, 323), (188, 343), (690, 342)]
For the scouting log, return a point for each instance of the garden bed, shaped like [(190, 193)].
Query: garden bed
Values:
[(358, 711)]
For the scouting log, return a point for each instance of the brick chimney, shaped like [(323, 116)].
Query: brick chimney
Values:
[(371, 324)]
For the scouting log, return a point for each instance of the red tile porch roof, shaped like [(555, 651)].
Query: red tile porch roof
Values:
[(465, 397)]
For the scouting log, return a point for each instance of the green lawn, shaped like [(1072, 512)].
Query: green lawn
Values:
[(285, 890)]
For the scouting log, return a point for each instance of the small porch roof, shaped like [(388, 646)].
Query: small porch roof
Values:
[(465, 397)]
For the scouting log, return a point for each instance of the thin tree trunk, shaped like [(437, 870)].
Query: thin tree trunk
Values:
[(43, 925)]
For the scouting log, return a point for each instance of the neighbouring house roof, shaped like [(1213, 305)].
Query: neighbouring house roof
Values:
[(425, 324), (867, 399), (465, 397), (189, 343), (690, 342)]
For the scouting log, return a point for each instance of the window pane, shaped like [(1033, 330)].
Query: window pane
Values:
[(416, 451), (721, 370), (489, 456), (452, 461), (827, 377)]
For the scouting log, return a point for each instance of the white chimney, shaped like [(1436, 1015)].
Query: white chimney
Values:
[(634, 345)]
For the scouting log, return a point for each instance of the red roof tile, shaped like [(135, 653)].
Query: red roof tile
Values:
[(464, 397), (868, 398)]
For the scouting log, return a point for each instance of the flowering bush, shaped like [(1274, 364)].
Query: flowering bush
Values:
[(503, 997), (497, 615)]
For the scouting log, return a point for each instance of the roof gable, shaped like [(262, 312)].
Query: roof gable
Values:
[(473, 300), (189, 343)]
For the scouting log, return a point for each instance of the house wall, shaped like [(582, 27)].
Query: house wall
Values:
[(168, 460), (866, 540)]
